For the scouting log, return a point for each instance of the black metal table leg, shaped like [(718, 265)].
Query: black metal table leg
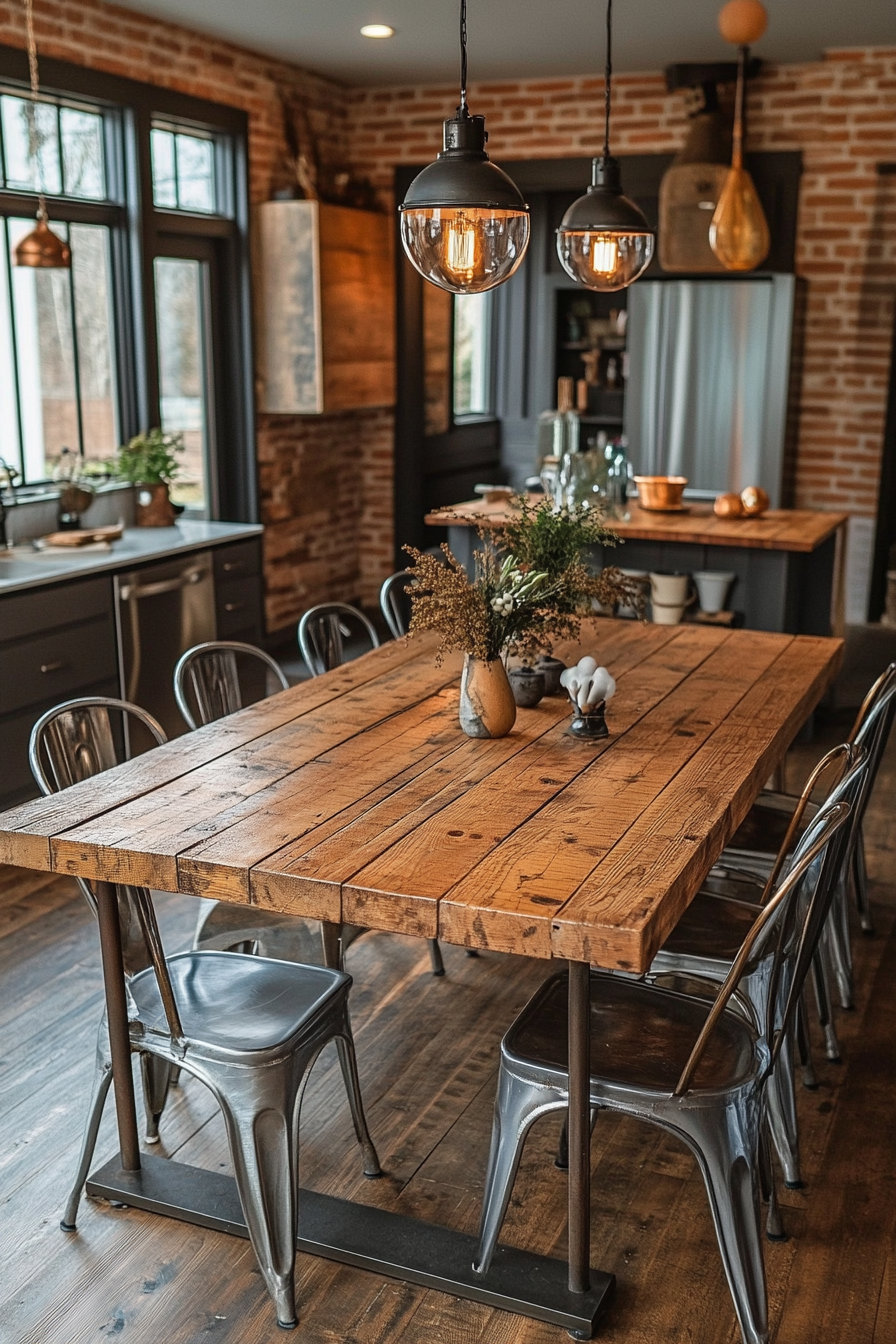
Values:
[(579, 1127), (117, 1011)]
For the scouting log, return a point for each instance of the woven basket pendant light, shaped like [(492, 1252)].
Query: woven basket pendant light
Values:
[(41, 248), (739, 234)]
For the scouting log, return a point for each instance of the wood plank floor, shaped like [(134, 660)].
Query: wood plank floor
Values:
[(427, 1052)]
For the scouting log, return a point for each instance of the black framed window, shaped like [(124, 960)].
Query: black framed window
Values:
[(151, 325), (473, 380)]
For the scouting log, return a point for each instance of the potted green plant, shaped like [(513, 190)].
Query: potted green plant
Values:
[(149, 462)]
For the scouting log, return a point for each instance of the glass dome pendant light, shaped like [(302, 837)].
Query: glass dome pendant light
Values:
[(604, 241), (464, 224), (41, 247)]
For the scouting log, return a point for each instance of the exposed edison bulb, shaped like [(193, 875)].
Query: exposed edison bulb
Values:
[(739, 234), (465, 251), (604, 261)]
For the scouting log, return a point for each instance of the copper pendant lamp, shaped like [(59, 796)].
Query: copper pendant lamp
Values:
[(739, 234), (41, 248)]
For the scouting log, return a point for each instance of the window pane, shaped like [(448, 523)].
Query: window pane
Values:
[(472, 354), (43, 327), (164, 180), (180, 318), (82, 153), (9, 420), (195, 173), (91, 272), (37, 171)]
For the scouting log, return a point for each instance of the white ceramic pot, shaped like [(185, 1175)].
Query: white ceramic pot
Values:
[(712, 588), (670, 596)]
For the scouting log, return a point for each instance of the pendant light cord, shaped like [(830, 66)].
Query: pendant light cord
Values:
[(608, 76), (737, 151), (464, 110), (32, 113)]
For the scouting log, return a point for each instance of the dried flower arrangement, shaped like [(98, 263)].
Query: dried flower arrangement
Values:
[(531, 587)]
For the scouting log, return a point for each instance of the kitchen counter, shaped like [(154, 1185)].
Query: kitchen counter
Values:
[(786, 566), (25, 568), (802, 530)]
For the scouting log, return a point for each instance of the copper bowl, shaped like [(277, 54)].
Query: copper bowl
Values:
[(662, 493)]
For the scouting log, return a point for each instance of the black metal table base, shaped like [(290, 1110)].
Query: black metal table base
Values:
[(375, 1239)]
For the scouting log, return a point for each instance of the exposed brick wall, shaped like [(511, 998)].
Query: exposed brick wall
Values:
[(841, 112), (313, 470)]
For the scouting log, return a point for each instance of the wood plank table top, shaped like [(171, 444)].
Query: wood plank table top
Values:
[(356, 797), (777, 530)]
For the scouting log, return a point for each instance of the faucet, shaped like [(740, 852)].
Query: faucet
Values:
[(8, 472)]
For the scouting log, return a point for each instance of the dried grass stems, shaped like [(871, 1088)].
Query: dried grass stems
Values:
[(532, 584)]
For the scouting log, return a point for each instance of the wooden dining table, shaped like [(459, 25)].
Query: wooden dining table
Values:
[(355, 798)]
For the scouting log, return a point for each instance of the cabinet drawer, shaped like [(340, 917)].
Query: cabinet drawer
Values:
[(56, 665), (238, 606), (238, 561), (24, 614)]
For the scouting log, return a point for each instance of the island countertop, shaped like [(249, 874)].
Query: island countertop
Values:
[(776, 530)]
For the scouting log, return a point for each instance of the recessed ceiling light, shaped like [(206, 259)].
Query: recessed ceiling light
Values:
[(377, 30)]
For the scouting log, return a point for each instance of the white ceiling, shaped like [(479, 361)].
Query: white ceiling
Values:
[(510, 38)]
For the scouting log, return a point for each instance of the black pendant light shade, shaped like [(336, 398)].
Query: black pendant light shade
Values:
[(604, 241), (464, 224)]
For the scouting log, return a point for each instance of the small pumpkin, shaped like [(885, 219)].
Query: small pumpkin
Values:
[(754, 500), (728, 506)]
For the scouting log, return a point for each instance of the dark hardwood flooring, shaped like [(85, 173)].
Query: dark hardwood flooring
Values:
[(427, 1052)]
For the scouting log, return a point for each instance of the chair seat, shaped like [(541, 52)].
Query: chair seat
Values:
[(712, 927), (641, 1036), (238, 1004)]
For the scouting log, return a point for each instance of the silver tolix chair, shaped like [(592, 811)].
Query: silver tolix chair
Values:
[(208, 687), (249, 1028), (207, 683), (71, 743), (709, 934), (322, 633), (768, 820), (395, 603), (697, 1069)]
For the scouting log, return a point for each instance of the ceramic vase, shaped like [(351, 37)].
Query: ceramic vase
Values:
[(527, 685), (154, 507), (487, 707)]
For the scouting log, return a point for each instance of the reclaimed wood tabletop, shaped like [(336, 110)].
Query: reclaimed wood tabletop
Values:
[(355, 796), (802, 530)]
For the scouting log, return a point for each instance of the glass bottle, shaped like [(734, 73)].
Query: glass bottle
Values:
[(558, 430)]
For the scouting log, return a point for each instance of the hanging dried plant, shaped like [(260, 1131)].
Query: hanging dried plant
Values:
[(531, 586)]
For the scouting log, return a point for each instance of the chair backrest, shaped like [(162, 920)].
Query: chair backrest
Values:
[(210, 674), (321, 633), (395, 603), (872, 730), (73, 742), (794, 919)]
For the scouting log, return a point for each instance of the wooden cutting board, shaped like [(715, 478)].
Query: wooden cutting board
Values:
[(85, 537)]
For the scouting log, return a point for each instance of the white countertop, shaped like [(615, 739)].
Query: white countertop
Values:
[(24, 568)]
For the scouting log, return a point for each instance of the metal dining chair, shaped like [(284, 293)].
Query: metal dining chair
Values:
[(70, 743), (706, 939), (249, 1029), (395, 603), (322, 633), (209, 674), (207, 682), (698, 1069)]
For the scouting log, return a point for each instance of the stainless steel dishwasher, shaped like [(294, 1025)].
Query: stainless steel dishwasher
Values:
[(162, 610)]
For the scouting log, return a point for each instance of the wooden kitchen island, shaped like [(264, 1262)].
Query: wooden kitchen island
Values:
[(788, 563)]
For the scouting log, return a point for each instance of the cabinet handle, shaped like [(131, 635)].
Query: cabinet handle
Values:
[(230, 566), (234, 606), (57, 666)]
